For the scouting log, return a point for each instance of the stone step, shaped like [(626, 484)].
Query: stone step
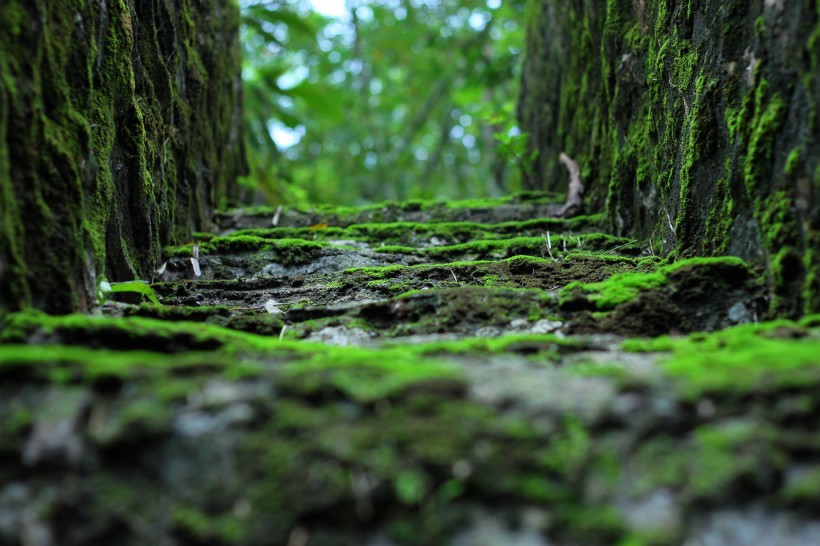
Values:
[(517, 207), (235, 256), (551, 433)]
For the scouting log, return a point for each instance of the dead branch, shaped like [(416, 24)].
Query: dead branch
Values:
[(575, 192)]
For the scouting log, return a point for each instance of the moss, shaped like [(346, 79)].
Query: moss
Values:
[(621, 288), (102, 146), (617, 289), (533, 246), (793, 160), (395, 249), (758, 363), (804, 487), (401, 416), (724, 453), (678, 149), (410, 205), (743, 359), (17, 420), (247, 243), (225, 528), (490, 280), (403, 237)]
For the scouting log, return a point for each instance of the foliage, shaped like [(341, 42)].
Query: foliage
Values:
[(105, 289), (396, 99)]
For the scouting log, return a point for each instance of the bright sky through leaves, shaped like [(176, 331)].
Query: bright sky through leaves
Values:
[(329, 8), (395, 99)]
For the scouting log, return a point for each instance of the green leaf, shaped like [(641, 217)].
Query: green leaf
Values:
[(316, 99), (294, 22), (410, 486), (136, 287)]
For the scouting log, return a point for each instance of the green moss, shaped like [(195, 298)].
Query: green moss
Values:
[(767, 120), (624, 287), (432, 210), (617, 289), (804, 487), (490, 280), (743, 359), (724, 453), (540, 346), (248, 243), (793, 160), (100, 191), (757, 363), (395, 249), (760, 26), (225, 528), (407, 233)]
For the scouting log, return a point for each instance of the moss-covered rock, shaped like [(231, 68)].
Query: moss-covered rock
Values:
[(516, 207), (257, 440), (698, 294)]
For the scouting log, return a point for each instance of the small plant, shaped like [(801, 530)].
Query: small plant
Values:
[(513, 145), (105, 289)]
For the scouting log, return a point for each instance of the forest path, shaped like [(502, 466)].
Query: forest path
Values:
[(417, 374)]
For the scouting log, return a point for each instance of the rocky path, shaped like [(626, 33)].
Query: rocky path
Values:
[(476, 373)]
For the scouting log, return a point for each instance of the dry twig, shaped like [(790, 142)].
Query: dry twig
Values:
[(575, 192)]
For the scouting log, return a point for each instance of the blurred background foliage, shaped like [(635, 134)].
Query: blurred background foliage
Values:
[(351, 102)]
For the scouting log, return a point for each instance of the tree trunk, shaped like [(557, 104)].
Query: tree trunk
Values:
[(119, 131), (695, 124)]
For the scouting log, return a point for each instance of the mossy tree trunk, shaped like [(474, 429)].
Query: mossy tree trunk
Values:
[(119, 131), (695, 122)]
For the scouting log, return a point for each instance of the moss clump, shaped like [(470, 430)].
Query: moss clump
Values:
[(364, 375), (752, 363), (226, 528), (617, 289), (743, 359), (395, 249), (624, 287), (430, 211), (541, 246), (291, 250)]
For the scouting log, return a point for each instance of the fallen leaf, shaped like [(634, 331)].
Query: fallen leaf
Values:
[(271, 307)]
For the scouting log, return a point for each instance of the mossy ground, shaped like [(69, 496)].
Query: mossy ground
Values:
[(468, 393)]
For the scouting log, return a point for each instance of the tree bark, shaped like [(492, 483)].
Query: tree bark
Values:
[(120, 130), (695, 125)]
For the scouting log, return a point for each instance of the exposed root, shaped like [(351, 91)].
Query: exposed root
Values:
[(575, 192)]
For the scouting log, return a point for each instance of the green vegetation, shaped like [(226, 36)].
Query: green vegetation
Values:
[(744, 359), (402, 414), (624, 287), (384, 101), (474, 376), (101, 135), (105, 288)]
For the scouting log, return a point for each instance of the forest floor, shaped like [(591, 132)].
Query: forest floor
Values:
[(473, 373)]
